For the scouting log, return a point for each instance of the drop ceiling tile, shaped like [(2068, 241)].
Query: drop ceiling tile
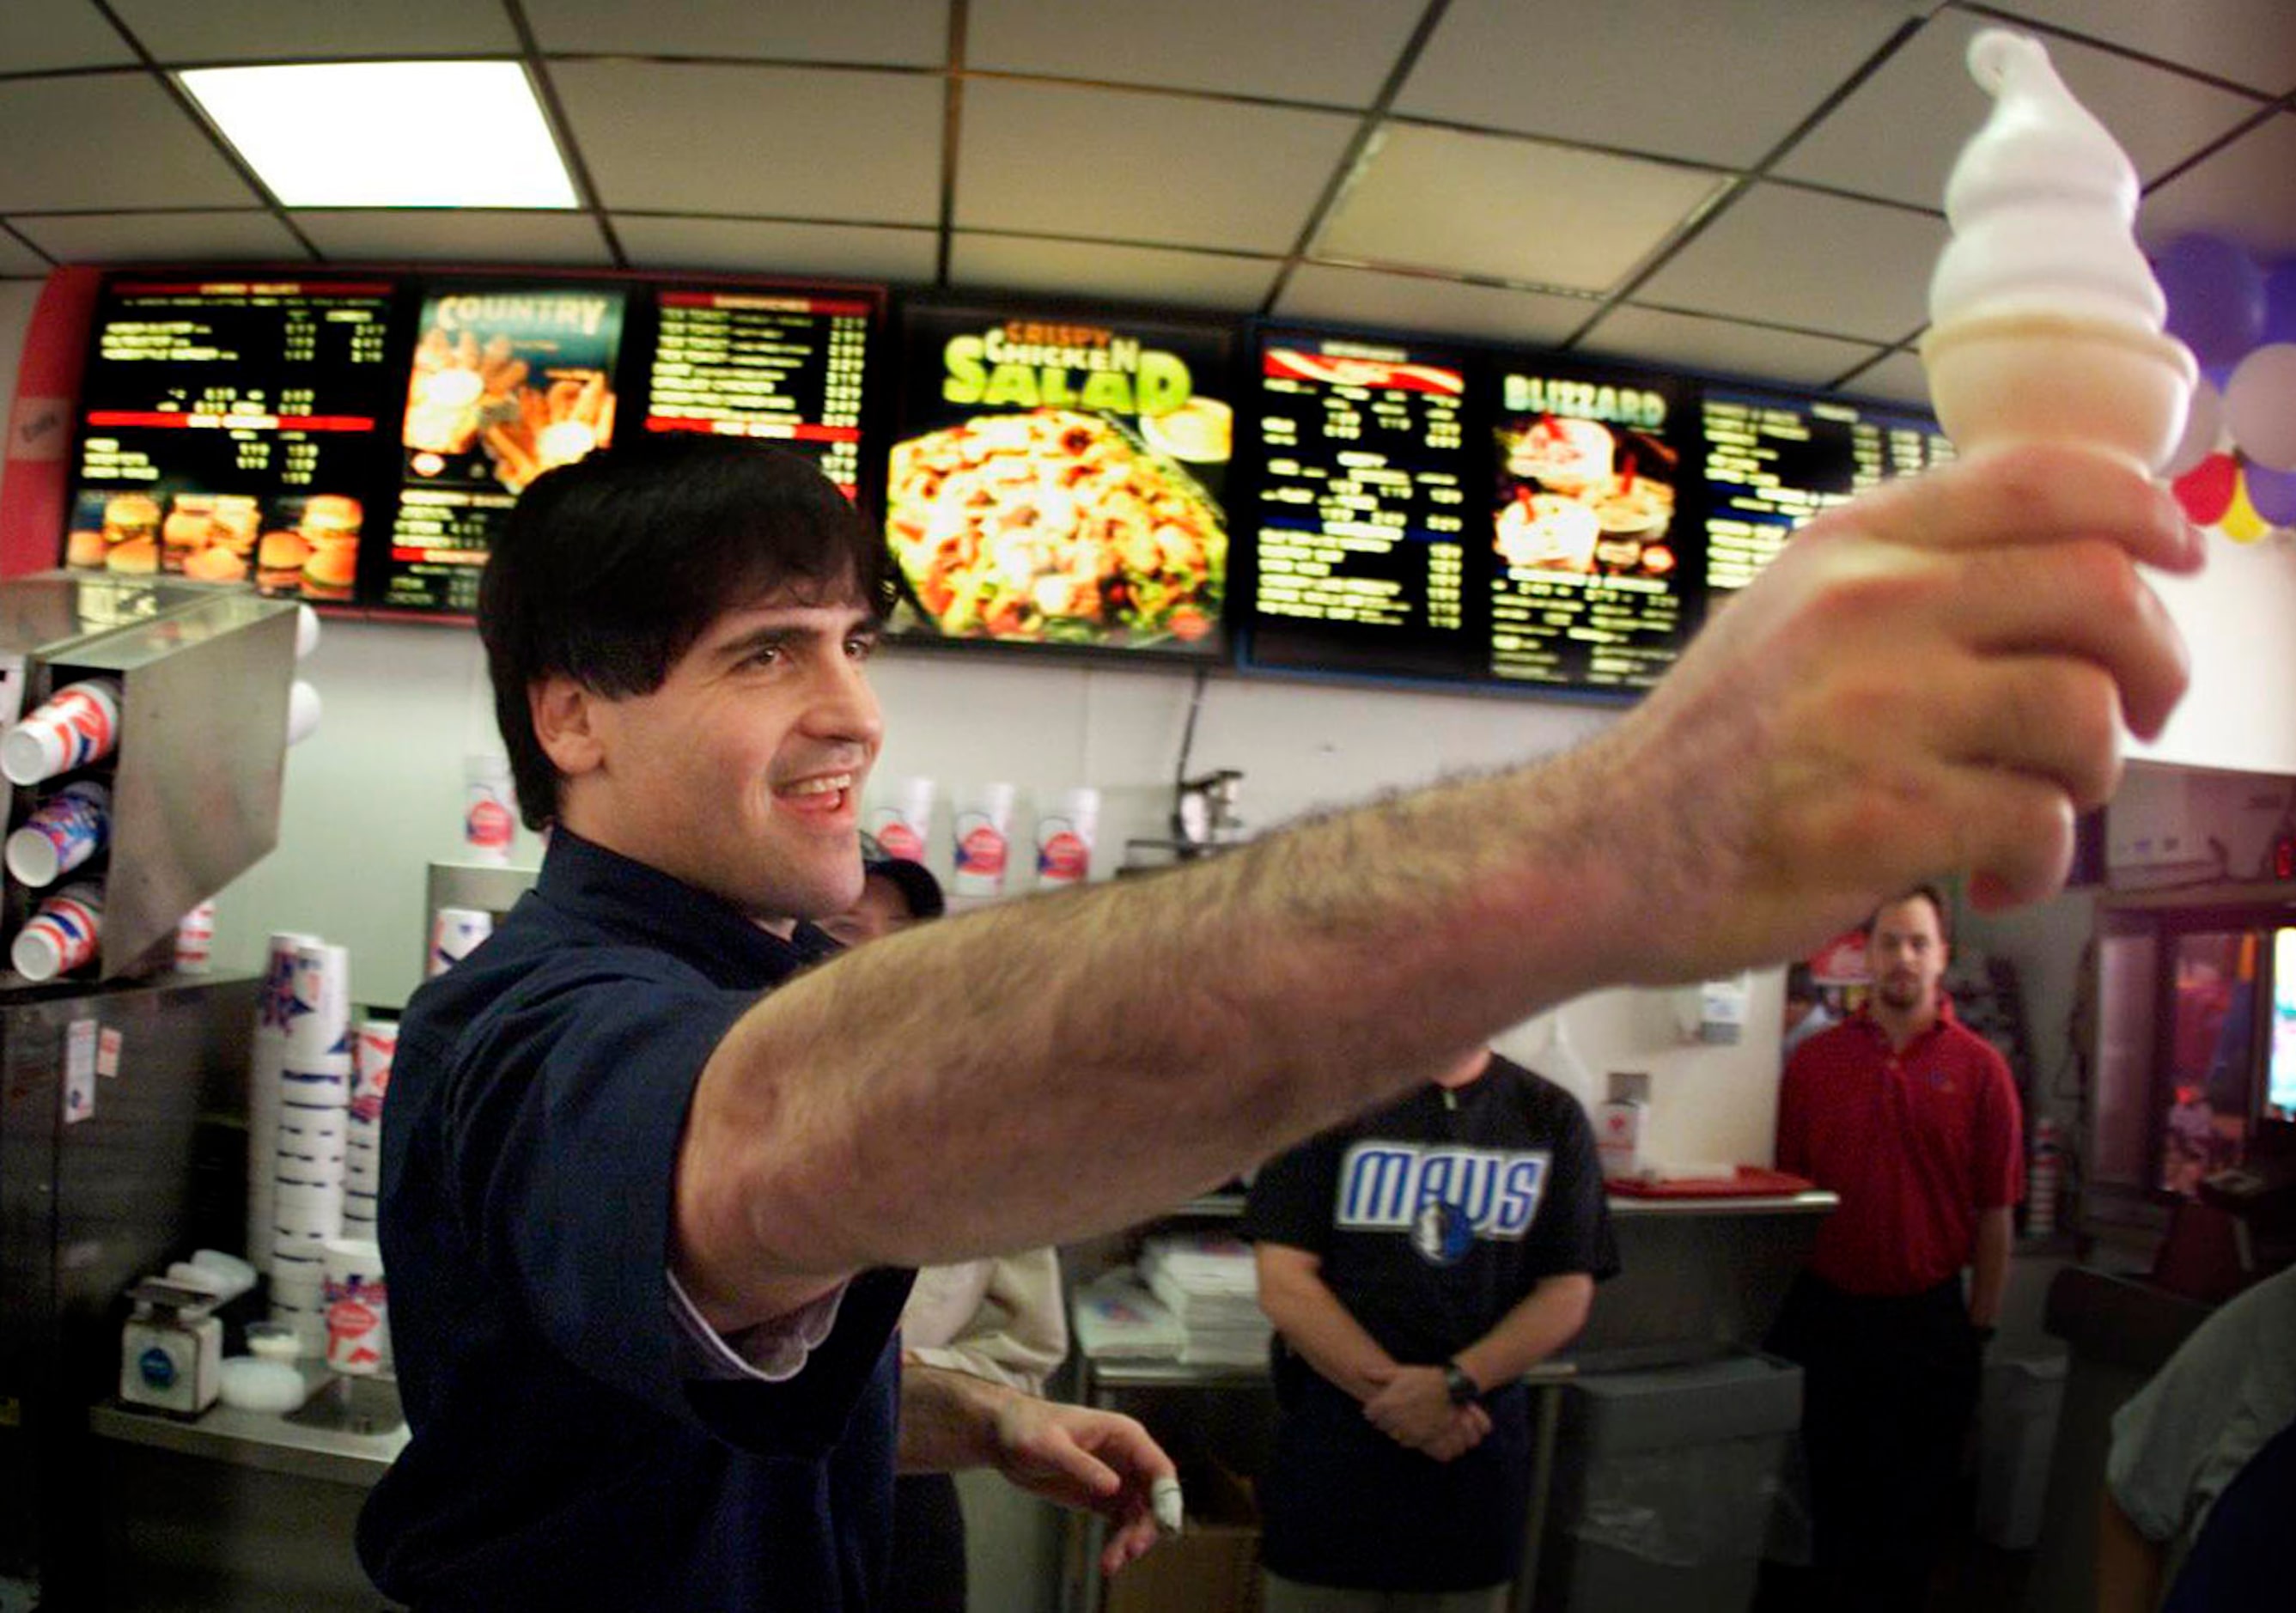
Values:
[(1330, 293), (1085, 268), (1142, 166), (1499, 208), (303, 30), (36, 35), (2244, 191), (1897, 133), (1285, 50), (103, 142), (754, 246), (1819, 263), (163, 237), (1722, 81), (17, 258), (2250, 42), (893, 32), (787, 142), (387, 236), (1898, 379), (1722, 347)]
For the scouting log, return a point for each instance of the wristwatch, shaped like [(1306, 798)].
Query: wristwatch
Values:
[(1456, 1384)]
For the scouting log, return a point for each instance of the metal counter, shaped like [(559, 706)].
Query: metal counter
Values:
[(347, 1433)]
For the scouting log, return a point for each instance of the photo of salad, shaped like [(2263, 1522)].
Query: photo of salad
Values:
[(1053, 526)]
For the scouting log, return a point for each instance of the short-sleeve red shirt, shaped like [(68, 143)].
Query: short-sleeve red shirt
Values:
[(1915, 1142)]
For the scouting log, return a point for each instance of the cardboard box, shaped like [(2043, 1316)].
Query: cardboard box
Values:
[(1211, 1567)]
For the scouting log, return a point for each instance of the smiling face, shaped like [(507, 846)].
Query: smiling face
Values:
[(742, 774)]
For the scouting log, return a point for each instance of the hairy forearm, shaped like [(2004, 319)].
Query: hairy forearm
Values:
[(1989, 1274), (1314, 1323), (1541, 1322), (949, 1420), (1051, 1068), (2127, 1564)]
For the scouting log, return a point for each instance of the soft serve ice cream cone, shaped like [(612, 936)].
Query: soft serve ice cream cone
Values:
[(2045, 319)]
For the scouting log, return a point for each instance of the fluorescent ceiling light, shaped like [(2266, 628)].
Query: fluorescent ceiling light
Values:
[(389, 133)]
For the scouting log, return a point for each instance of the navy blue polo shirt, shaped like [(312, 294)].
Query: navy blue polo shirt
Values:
[(565, 1452)]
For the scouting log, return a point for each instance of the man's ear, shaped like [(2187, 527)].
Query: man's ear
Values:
[(565, 723)]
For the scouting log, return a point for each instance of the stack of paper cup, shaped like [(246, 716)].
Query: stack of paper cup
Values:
[(455, 933), (63, 831), (489, 809), (1064, 838), (77, 725), (984, 839), (196, 939), (902, 822), (62, 934), (359, 1307), (377, 1045), (313, 1131), (274, 1011)]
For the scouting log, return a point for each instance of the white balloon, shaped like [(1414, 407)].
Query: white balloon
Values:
[(2203, 430), (2259, 406)]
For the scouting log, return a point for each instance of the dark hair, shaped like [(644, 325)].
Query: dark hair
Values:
[(608, 570), (1802, 983), (1928, 893)]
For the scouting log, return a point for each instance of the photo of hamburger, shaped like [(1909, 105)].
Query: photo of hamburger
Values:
[(84, 550), (131, 518), (330, 517), (185, 532), (329, 574), (137, 557), (216, 564), (235, 523), (279, 562)]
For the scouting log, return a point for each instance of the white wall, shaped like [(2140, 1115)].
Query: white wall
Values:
[(376, 795), (2239, 620)]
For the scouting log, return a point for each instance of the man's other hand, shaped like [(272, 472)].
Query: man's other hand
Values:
[(1413, 1408), (1095, 1461)]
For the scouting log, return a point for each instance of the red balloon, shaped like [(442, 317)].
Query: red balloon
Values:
[(2206, 489)]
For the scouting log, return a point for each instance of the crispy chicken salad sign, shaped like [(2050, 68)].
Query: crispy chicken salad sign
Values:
[(1059, 480)]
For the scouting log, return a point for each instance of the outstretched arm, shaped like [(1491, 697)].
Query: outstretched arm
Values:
[(1151, 1038)]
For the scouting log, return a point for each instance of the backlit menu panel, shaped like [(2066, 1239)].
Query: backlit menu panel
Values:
[(788, 367), (1588, 587), (1366, 513), (1773, 462), (229, 430)]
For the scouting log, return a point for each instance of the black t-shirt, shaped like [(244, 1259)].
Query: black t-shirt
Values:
[(565, 1453), (1431, 1220)]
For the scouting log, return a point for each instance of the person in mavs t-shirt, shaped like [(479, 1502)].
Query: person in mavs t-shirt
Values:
[(1415, 1262)]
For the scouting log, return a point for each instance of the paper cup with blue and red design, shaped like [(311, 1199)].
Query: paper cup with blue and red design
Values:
[(62, 935), (455, 933), (76, 725), (1065, 833), (489, 809), (63, 831), (901, 822), (359, 1307), (984, 839)]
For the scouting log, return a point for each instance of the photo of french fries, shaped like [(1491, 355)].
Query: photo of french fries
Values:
[(467, 393)]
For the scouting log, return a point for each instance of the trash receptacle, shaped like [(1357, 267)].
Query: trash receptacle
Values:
[(1664, 1483), (2016, 1428)]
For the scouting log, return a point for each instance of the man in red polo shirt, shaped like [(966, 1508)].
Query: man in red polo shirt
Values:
[(1914, 1121)]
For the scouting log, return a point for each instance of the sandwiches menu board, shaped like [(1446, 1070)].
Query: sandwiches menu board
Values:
[(1772, 461), (786, 366), (1435, 513), (505, 381), (1589, 581), (230, 430), (357, 439), (1060, 478)]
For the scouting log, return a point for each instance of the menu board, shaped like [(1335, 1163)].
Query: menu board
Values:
[(1365, 511), (1059, 480), (788, 367), (1590, 587), (1772, 461), (505, 381), (229, 430)]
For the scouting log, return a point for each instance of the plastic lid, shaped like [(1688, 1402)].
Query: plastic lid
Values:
[(32, 858), (253, 1384), (271, 1340)]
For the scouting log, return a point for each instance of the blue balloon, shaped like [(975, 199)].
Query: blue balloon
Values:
[(2280, 304), (2216, 296), (2271, 494)]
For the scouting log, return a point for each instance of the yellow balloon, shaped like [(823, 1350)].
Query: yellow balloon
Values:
[(2241, 523)]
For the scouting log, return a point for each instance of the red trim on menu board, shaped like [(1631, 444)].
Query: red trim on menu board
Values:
[(272, 288), (184, 420), (836, 308), (793, 432), (34, 489), (1340, 370)]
